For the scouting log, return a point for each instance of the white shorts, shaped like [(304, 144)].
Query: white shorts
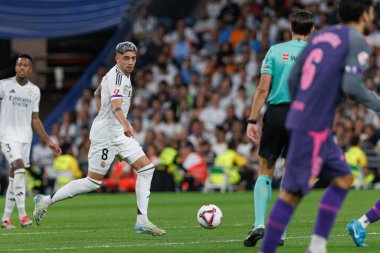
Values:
[(16, 150), (101, 155)]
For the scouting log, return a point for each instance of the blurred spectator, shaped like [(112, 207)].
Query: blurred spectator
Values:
[(229, 13), (204, 25), (66, 167), (98, 76), (214, 8), (122, 178), (220, 145), (182, 32), (42, 160), (357, 160), (170, 126), (194, 167), (67, 128), (197, 133), (213, 115), (156, 46), (144, 25), (232, 163)]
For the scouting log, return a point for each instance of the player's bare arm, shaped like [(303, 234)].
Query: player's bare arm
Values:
[(118, 112), (97, 95), (259, 99), (39, 128)]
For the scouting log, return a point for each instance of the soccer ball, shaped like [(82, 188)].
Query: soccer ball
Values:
[(209, 216)]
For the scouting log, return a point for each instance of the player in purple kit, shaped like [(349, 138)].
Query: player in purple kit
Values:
[(330, 67), (357, 228)]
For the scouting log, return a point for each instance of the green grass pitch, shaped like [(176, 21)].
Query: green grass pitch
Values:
[(104, 223)]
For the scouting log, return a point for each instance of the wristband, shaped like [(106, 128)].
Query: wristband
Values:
[(251, 121)]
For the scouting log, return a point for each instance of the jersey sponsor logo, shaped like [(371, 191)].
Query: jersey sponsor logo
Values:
[(293, 58), (12, 91), (285, 57), (265, 66), (116, 93), (363, 58)]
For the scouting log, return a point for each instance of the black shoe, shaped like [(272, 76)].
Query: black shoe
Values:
[(254, 236), (281, 243)]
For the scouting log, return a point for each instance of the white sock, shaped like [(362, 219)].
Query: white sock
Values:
[(144, 178), (72, 189), (364, 221), (10, 201), (19, 191), (318, 244)]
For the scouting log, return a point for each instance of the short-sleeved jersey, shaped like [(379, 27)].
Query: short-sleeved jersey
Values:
[(17, 105), (115, 85), (279, 62), (318, 74)]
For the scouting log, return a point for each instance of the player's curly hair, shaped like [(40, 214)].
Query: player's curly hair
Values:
[(351, 10), (125, 46)]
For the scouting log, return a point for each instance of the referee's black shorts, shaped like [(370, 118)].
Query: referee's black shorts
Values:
[(274, 139)]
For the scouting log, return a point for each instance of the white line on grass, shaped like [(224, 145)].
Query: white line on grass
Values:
[(166, 243)]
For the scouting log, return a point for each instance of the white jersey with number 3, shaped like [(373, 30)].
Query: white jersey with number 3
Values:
[(115, 85), (17, 105)]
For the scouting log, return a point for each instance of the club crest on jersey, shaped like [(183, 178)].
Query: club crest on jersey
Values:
[(285, 57), (31, 94), (116, 91), (103, 164), (363, 58)]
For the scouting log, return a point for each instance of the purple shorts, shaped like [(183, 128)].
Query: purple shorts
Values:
[(312, 155)]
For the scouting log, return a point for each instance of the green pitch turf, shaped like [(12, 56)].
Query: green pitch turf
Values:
[(104, 223)]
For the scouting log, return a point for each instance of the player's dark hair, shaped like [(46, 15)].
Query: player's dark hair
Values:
[(302, 22), (351, 10), (355, 140), (25, 56)]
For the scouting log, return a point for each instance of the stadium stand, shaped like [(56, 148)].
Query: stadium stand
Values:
[(196, 77)]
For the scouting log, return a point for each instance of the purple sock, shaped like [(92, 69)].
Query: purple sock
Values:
[(328, 209), (276, 225), (374, 213)]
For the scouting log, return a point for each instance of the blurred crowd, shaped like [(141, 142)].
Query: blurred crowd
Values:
[(192, 91)]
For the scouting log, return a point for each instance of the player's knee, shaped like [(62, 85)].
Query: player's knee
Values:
[(290, 197), (92, 184), (148, 169), (344, 182)]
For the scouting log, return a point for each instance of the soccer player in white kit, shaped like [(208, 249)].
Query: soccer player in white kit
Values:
[(111, 136), (19, 112)]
